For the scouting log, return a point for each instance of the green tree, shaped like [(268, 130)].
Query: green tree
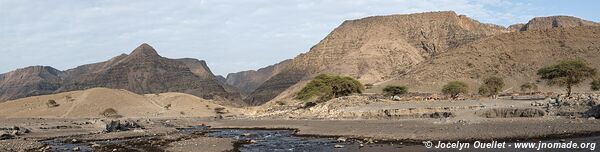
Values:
[(454, 88), (529, 87), (596, 85), (491, 86), (395, 90), (326, 87), (567, 73)]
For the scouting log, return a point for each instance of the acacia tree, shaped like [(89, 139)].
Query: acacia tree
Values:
[(326, 87), (567, 74), (454, 88), (491, 86)]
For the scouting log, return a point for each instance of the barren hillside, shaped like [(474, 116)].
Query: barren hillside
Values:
[(374, 49), (516, 57)]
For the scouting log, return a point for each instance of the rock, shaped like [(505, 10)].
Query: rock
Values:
[(591, 118), (361, 145), (5, 135), (117, 125), (341, 139), (76, 149), (339, 146), (95, 145), (74, 141), (252, 141)]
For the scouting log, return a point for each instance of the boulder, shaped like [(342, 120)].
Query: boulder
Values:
[(5, 135), (117, 125)]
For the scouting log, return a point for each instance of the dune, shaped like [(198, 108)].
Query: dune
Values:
[(91, 103)]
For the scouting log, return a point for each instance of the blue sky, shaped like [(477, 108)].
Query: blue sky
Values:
[(231, 35)]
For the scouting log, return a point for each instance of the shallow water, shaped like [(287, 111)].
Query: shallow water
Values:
[(259, 140)]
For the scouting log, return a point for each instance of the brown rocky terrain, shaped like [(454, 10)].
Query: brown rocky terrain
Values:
[(143, 71), (248, 81), (516, 57), (541, 23), (91, 103), (376, 48)]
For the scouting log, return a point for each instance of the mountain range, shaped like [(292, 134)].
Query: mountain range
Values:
[(143, 71), (422, 51)]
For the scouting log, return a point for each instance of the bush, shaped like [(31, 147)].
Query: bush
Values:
[(326, 87), (454, 88), (168, 106), (529, 87), (596, 85), (567, 73), (394, 90), (51, 104), (110, 113), (491, 86)]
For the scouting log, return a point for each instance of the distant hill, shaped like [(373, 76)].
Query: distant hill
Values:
[(248, 81), (142, 71), (515, 57)]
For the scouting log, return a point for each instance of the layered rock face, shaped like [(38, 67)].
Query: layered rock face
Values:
[(248, 81), (373, 49), (143, 71), (515, 57)]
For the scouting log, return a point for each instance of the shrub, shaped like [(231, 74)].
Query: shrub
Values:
[(529, 87), (596, 85), (220, 110), (110, 113), (567, 73), (326, 87), (395, 90), (491, 86), (51, 104), (168, 106), (454, 88)]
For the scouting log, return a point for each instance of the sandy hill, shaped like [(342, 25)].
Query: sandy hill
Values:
[(516, 57), (377, 48), (91, 102), (142, 71), (542, 23)]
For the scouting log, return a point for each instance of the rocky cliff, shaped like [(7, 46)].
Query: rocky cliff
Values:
[(542, 23)]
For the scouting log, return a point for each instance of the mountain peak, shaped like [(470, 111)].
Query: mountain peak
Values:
[(144, 50), (540, 23)]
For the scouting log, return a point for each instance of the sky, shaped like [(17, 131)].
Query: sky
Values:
[(230, 35)]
